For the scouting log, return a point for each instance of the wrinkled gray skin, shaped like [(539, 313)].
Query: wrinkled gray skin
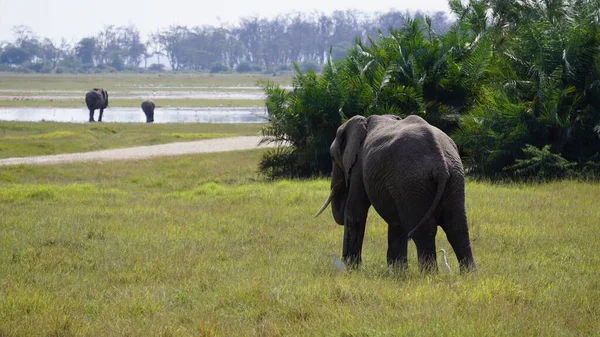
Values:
[(96, 98), (148, 108), (411, 173)]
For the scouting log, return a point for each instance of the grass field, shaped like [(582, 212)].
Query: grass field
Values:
[(23, 90), (127, 82), (20, 139), (201, 245)]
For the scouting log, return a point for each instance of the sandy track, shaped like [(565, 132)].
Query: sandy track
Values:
[(140, 152)]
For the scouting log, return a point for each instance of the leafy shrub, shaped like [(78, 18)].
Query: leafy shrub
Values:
[(279, 163), (218, 68), (306, 118), (309, 66), (157, 67), (398, 74), (540, 165), (520, 84), (590, 170), (246, 67)]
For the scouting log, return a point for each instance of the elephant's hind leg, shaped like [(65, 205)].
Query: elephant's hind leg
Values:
[(100, 116), (457, 233), (426, 252), (454, 224), (91, 115), (397, 246), (397, 233)]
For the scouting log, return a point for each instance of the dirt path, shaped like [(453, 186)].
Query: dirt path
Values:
[(172, 149)]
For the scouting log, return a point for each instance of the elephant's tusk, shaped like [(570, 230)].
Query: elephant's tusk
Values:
[(329, 198)]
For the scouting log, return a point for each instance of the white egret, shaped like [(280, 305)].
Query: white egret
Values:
[(337, 263), (445, 264)]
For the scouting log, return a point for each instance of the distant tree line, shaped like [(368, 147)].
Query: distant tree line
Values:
[(254, 44), (516, 84)]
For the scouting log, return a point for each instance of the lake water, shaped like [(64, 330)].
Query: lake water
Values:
[(135, 115)]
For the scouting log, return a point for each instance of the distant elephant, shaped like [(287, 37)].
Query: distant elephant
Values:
[(148, 108), (96, 98), (412, 174)]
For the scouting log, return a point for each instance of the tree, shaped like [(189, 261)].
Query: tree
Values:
[(544, 90), (15, 55), (51, 54), (170, 41), (86, 50), (504, 77)]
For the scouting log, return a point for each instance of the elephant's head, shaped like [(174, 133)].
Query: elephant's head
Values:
[(344, 151)]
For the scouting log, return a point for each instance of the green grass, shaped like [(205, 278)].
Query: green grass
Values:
[(23, 139), (201, 245), (25, 87), (128, 82)]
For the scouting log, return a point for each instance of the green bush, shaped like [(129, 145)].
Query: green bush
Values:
[(306, 118), (506, 75), (246, 67), (398, 74), (280, 163), (540, 165), (218, 67), (309, 66), (156, 67)]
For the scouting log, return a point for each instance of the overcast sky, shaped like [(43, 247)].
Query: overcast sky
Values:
[(75, 19)]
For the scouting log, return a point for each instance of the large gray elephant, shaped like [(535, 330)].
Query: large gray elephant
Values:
[(148, 108), (96, 98), (412, 174)]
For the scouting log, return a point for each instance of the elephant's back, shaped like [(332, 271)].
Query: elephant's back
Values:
[(148, 105), (414, 143), (413, 152), (92, 98), (401, 171)]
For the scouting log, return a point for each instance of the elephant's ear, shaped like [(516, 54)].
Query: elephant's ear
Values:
[(355, 132)]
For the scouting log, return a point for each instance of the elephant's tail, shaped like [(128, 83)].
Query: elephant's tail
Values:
[(438, 196)]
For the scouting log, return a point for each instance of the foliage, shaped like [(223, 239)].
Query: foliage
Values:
[(157, 67), (410, 71), (305, 118), (218, 68), (309, 66), (15, 55), (266, 43), (545, 89), (540, 164), (246, 67), (504, 75), (280, 162)]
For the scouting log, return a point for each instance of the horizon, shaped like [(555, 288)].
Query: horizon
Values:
[(56, 21)]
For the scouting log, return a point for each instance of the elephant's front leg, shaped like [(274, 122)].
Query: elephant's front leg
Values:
[(354, 233), (355, 218)]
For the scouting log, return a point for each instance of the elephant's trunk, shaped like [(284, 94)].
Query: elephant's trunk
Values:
[(327, 202)]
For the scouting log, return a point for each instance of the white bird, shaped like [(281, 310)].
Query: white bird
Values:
[(445, 264), (337, 263)]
